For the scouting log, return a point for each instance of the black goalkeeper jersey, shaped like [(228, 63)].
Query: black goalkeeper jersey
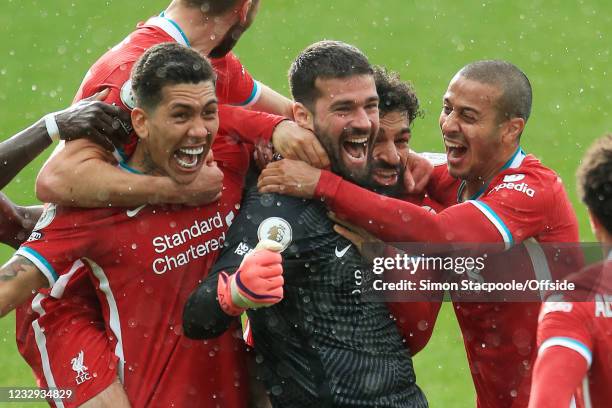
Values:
[(321, 345)]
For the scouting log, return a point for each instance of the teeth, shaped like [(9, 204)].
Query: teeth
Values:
[(448, 143), (185, 164), (193, 150), (386, 173), (362, 140)]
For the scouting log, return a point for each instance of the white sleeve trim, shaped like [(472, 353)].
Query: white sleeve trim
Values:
[(40, 262), (255, 95), (569, 343), (495, 220)]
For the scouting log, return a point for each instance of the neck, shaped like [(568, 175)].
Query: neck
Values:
[(474, 185), (200, 29), (142, 162)]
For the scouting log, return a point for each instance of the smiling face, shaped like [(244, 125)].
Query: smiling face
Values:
[(390, 153), (472, 130), (177, 134), (345, 119)]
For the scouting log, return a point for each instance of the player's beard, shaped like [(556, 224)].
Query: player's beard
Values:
[(395, 190), (228, 42), (333, 151)]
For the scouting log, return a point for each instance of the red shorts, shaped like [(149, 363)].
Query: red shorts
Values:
[(67, 349)]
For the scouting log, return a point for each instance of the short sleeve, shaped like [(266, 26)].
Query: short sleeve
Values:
[(235, 85), (565, 324), (56, 243)]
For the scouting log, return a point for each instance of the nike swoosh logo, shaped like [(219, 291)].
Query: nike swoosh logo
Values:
[(340, 254), (135, 211)]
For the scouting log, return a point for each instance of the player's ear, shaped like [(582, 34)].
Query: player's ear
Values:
[(512, 130), (244, 10), (139, 122), (302, 116)]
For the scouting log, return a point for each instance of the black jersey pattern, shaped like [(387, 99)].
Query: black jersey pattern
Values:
[(321, 346)]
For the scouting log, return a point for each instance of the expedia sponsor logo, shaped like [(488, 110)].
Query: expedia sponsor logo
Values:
[(520, 187), (513, 178), (276, 229)]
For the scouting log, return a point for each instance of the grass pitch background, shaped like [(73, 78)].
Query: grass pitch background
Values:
[(564, 47)]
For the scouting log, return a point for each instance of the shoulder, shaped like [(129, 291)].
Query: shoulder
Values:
[(530, 180)]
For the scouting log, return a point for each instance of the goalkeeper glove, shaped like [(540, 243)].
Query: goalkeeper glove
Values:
[(257, 283)]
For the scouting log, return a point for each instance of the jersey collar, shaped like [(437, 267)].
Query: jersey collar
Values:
[(170, 27), (515, 162)]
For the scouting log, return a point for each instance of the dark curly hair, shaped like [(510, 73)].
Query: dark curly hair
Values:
[(395, 94), (595, 180)]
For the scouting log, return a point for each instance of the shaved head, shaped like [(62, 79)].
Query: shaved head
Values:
[(515, 99)]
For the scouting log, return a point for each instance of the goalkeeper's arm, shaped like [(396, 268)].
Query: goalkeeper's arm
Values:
[(213, 305)]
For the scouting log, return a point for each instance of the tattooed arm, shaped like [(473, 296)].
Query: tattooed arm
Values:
[(19, 278)]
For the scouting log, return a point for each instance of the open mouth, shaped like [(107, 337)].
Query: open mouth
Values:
[(188, 158), (385, 177), (356, 149), (454, 151)]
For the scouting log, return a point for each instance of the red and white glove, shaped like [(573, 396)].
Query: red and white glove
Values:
[(257, 283)]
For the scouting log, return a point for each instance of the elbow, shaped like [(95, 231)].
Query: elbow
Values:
[(192, 326), (48, 185), (5, 304), (202, 326)]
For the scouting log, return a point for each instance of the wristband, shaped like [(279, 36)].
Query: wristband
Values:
[(51, 125)]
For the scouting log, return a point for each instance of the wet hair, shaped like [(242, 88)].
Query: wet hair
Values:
[(595, 180), (213, 7), (167, 64), (395, 95), (516, 94), (325, 60)]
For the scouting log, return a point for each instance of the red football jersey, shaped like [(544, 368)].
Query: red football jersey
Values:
[(112, 70), (144, 263), (584, 326), (525, 200)]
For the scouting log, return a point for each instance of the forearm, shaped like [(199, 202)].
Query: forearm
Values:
[(18, 279), (558, 372), (81, 174), (116, 188), (203, 317), (248, 126), (21, 149), (272, 102), (395, 220), (17, 232)]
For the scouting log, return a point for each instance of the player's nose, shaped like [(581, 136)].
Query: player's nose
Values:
[(387, 153), (361, 120), (449, 123), (198, 131)]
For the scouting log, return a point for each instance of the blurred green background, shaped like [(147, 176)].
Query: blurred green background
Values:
[(563, 46)]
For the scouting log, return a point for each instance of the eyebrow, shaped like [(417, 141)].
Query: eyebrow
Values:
[(351, 102), (181, 105), (463, 108)]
